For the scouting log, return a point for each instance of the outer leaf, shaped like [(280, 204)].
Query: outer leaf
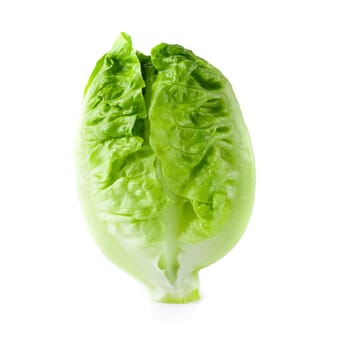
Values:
[(203, 148), (118, 186)]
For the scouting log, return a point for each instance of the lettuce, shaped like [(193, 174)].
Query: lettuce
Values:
[(165, 167)]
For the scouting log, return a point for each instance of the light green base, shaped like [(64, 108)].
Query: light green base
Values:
[(180, 299)]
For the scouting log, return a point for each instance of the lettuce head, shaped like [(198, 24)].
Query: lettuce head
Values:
[(164, 164)]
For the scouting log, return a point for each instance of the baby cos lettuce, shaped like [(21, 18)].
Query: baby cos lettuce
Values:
[(165, 167)]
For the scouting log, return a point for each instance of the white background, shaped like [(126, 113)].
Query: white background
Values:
[(286, 284)]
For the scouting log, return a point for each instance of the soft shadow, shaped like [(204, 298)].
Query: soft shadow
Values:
[(173, 312)]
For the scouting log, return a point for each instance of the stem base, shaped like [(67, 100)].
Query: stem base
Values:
[(179, 298)]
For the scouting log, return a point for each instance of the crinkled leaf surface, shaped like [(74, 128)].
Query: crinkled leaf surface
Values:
[(165, 167)]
